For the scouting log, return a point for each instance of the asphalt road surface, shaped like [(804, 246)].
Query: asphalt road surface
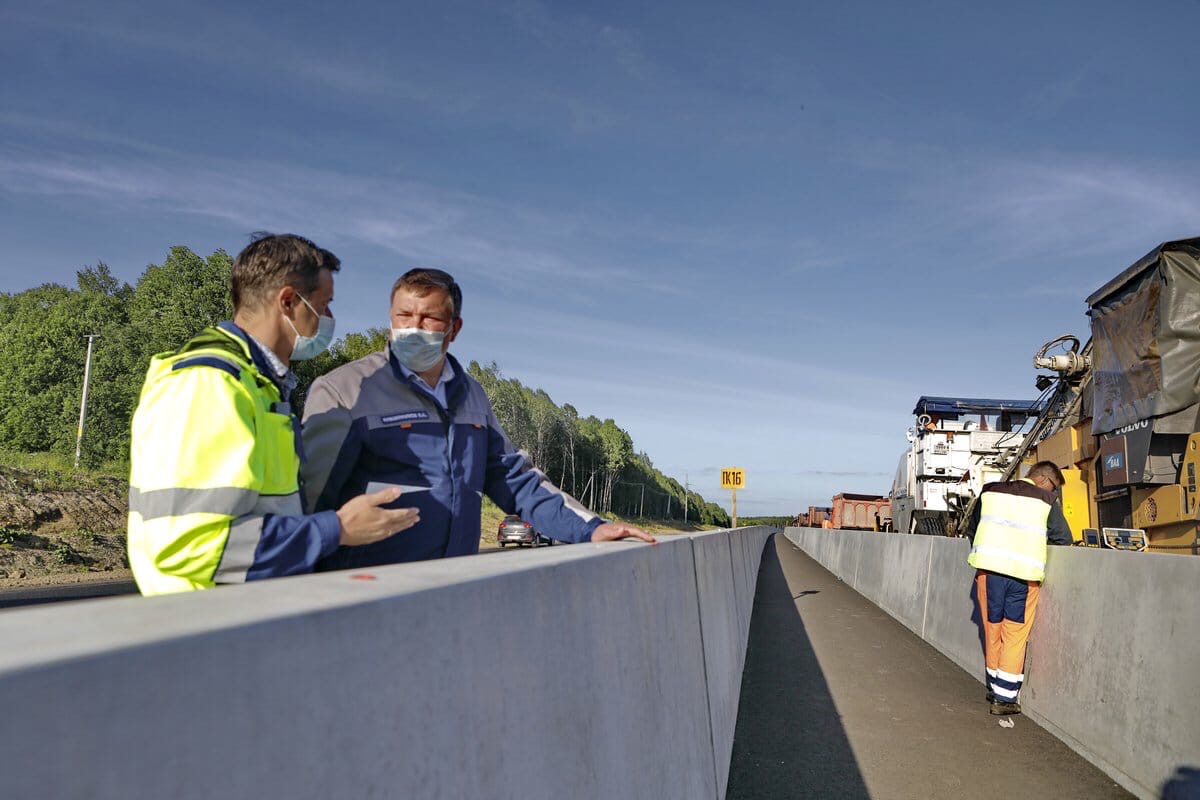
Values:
[(57, 593), (839, 700), (39, 595)]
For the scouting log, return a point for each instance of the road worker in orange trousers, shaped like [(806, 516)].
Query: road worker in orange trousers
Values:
[(1009, 530)]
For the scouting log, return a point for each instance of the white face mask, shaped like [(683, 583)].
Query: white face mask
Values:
[(417, 349), (307, 347)]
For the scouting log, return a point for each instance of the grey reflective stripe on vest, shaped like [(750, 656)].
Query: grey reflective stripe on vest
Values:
[(246, 506), (286, 504), (1039, 530), (1000, 552), (230, 501), (240, 548), (244, 533)]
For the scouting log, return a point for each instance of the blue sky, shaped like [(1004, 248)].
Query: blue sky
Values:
[(753, 234)]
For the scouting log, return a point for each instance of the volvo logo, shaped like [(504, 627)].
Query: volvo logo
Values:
[(1137, 426)]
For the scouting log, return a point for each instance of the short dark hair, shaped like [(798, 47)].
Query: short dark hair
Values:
[(1048, 470), (422, 279), (272, 261)]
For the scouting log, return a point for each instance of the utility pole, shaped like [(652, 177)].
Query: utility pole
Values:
[(685, 499), (87, 377), (583, 494), (642, 504)]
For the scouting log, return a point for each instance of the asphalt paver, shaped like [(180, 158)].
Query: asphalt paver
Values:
[(840, 700)]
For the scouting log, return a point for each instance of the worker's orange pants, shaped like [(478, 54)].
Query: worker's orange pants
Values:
[(1007, 606)]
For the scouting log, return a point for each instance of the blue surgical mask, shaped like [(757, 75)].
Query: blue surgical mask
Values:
[(307, 347), (417, 349)]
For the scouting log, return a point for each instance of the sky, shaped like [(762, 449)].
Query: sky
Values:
[(752, 234)]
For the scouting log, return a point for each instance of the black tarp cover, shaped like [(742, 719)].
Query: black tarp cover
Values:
[(1146, 338)]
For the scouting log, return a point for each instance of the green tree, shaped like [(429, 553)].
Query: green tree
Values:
[(175, 300), (511, 407), (547, 422), (43, 347), (35, 374), (617, 452), (350, 347), (170, 304), (713, 514)]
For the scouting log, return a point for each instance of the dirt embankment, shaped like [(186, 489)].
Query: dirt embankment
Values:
[(61, 528)]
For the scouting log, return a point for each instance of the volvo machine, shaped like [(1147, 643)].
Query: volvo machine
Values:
[(1120, 413)]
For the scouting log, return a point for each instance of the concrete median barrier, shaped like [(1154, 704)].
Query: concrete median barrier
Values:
[(724, 626), (951, 619), (605, 670), (1112, 657)]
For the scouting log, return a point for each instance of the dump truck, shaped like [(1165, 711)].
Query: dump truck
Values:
[(860, 512)]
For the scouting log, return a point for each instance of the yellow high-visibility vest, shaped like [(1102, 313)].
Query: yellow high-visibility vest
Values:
[(213, 450), (1011, 537)]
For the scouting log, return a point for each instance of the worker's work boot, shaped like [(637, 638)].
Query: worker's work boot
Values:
[(1001, 708)]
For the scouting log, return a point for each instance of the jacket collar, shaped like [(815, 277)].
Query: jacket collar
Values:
[(456, 387), (258, 358)]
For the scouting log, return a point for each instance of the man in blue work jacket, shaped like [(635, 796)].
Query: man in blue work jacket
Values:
[(412, 417)]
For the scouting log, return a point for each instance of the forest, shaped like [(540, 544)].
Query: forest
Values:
[(43, 343)]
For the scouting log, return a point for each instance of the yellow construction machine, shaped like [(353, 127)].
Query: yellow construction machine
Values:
[(1121, 413)]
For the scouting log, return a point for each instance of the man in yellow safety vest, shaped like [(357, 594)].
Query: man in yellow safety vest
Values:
[(1012, 523), (214, 487)]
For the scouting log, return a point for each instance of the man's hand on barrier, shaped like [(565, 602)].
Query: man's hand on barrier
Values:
[(364, 520), (610, 531)]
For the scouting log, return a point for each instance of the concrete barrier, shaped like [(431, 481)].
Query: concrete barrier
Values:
[(1112, 658), (951, 605), (600, 670)]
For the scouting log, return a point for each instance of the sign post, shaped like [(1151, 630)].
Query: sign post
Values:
[(733, 478)]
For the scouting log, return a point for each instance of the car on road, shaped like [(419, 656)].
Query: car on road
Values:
[(514, 530)]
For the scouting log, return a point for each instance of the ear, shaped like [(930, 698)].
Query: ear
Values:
[(285, 300), (454, 329)]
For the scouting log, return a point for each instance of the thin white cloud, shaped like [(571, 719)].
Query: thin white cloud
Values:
[(1058, 92), (234, 43), (1010, 207), (231, 42), (1051, 205), (576, 34), (760, 369), (498, 242)]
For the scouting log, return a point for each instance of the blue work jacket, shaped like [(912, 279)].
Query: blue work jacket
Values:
[(368, 423)]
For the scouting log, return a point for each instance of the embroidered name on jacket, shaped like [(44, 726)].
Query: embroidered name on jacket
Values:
[(404, 416)]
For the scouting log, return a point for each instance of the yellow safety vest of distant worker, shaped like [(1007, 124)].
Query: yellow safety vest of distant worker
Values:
[(733, 478), (1011, 536)]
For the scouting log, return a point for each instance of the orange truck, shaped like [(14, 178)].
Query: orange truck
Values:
[(861, 512)]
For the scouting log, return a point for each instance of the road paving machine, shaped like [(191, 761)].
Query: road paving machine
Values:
[(1121, 413)]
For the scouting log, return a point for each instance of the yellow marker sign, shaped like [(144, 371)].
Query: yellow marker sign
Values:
[(733, 478)]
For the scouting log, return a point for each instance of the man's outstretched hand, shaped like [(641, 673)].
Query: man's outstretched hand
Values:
[(611, 531), (364, 520)]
